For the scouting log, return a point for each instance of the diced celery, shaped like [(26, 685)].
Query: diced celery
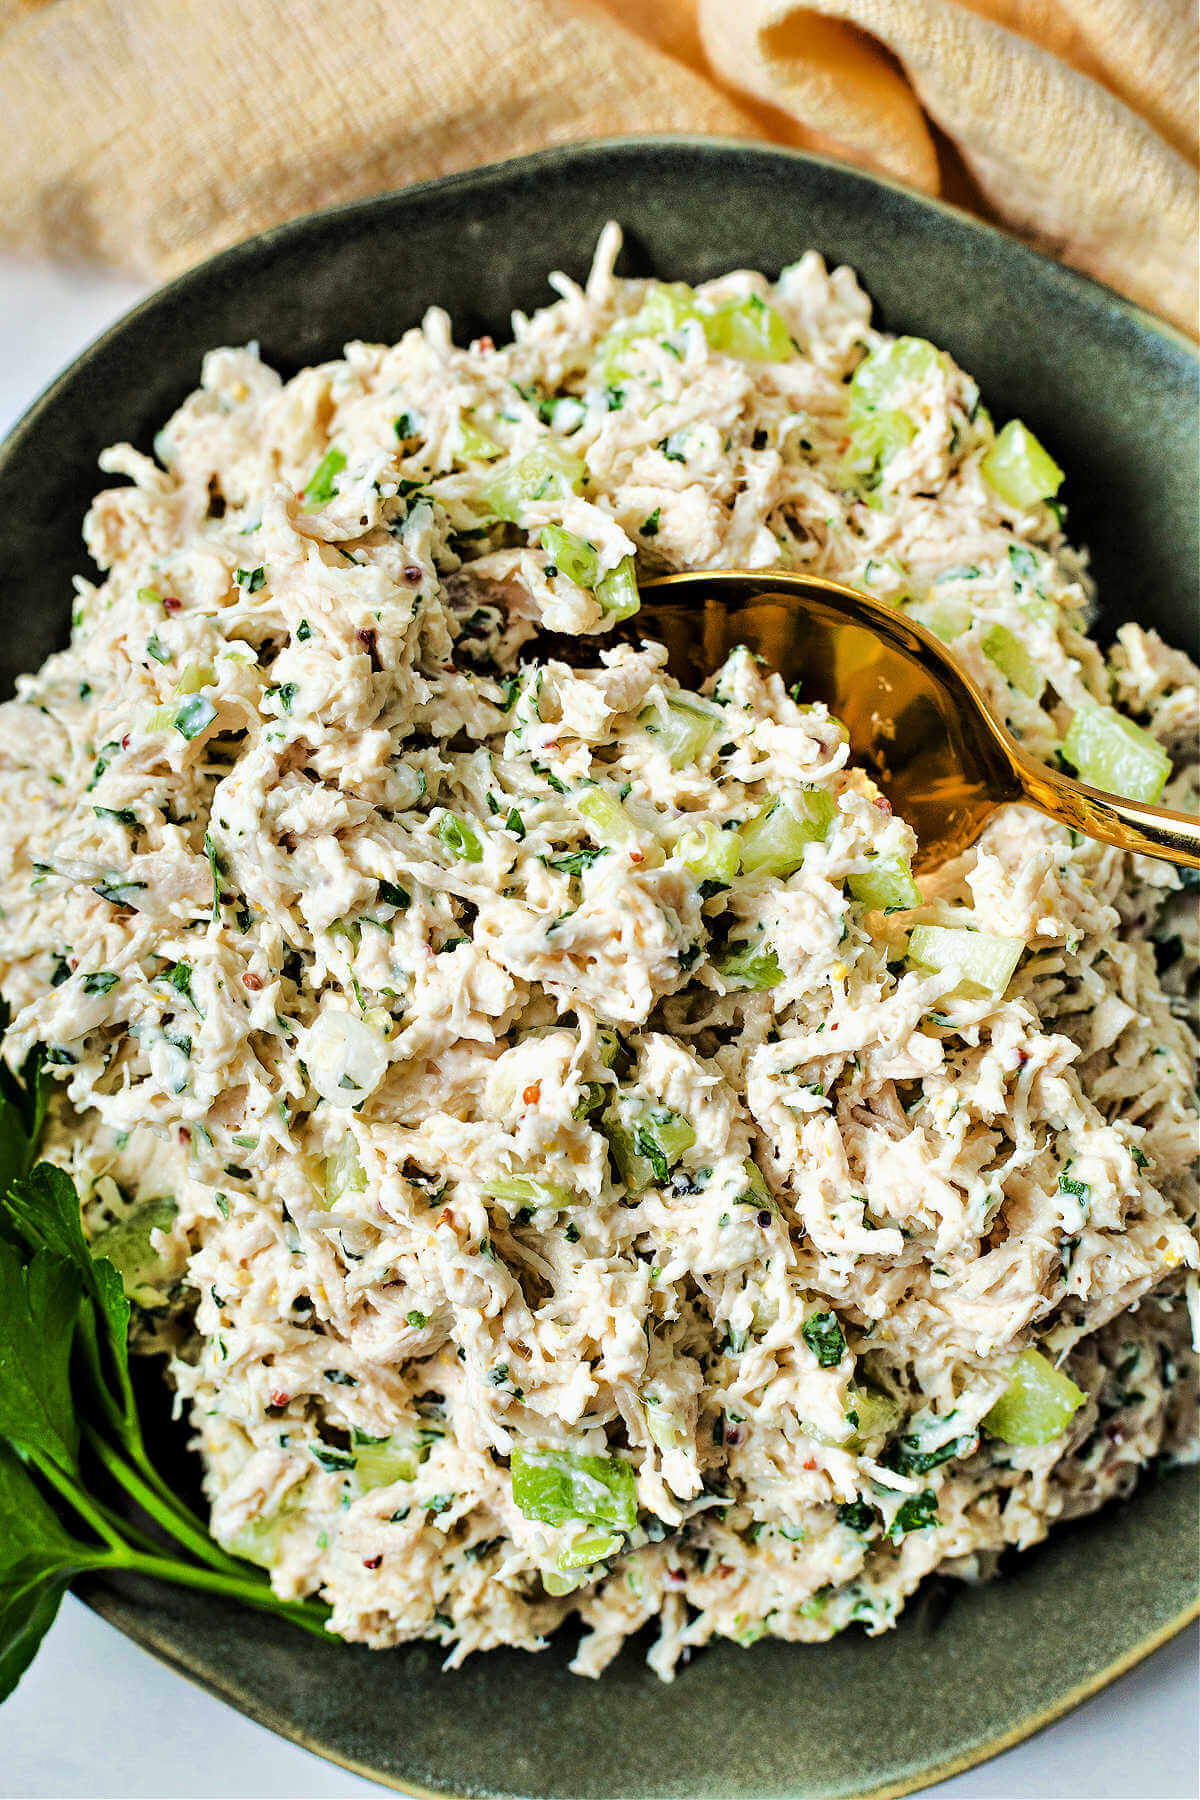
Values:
[(607, 819), (344, 1173), (591, 1547), (646, 1142), (127, 1246), (886, 886), (685, 727), (577, 559), (195, 676), (380, 1461), (750, 329), (874, 441), (560, 1486), (612, 1050), (981, 958), (947, 619), (870, 1413), (662, 1425), (475, 445), (1111, 752), (709, 853), (1019, 469), (774, 841), (557, 1583), (667, 305), (1037, 1405), (258, 1542), (1013, 660), (459, 838), (522, 1190), (890, 373), (749, 965), (667, 1134), (547, 473), (617, 591), (631, 1168)]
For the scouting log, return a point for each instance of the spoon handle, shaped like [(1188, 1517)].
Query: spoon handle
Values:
[(1129, 824)]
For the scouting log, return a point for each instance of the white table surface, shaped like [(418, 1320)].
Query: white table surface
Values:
[(100, 1719)]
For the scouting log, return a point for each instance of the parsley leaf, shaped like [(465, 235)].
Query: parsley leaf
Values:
[(825, 1338)]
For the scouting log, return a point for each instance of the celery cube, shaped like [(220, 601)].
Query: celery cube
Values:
[(748, 965), (1019, 469), (874, 441), (547, 473), (606, 817), (667, 305), (981, 958), (1111, 752), (887, 886), (646, 1142), (380, 1461), (558, 1582), (947, 619), (576, 558), (870, 1413), (344, 1173), (560, 1486), (590, 1547), (708, 852), (459, 838), (774, 841), (685, 727), (750, 329), (475, 445), (195, 676), (522, 1190), (1013, 660), (890, 373), (663, 1428), (617, 591), (1037, 1405)]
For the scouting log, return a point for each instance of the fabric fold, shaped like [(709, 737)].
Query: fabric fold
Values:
[(149, 133)]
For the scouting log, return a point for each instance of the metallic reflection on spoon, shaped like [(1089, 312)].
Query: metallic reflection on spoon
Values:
[(916, 719)]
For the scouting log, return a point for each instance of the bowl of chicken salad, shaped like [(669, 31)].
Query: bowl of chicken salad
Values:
[(638, 1291)]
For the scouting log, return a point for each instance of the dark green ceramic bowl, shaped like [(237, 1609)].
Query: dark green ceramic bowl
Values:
[(1114, 395)]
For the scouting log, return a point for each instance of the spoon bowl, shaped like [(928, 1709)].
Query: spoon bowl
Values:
[(915, 718)]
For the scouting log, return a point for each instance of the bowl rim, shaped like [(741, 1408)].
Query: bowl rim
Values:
[(102, 1598), (1091, 290)]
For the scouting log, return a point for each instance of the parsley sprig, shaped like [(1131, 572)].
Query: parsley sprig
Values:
[(71, 1445)]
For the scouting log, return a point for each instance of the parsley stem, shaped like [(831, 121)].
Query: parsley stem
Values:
[(122, 1418), (127, 1532), (163, 1507), (76, 1498), (252, 1593)]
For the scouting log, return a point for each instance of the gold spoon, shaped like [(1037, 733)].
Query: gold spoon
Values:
[(915, 717)]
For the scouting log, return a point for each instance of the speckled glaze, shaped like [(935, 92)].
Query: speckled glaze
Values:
[(1114, 394)]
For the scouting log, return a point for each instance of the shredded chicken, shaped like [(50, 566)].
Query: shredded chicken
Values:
[(514, 1090)]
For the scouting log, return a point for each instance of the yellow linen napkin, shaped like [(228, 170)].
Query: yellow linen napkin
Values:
[(152, 132)]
